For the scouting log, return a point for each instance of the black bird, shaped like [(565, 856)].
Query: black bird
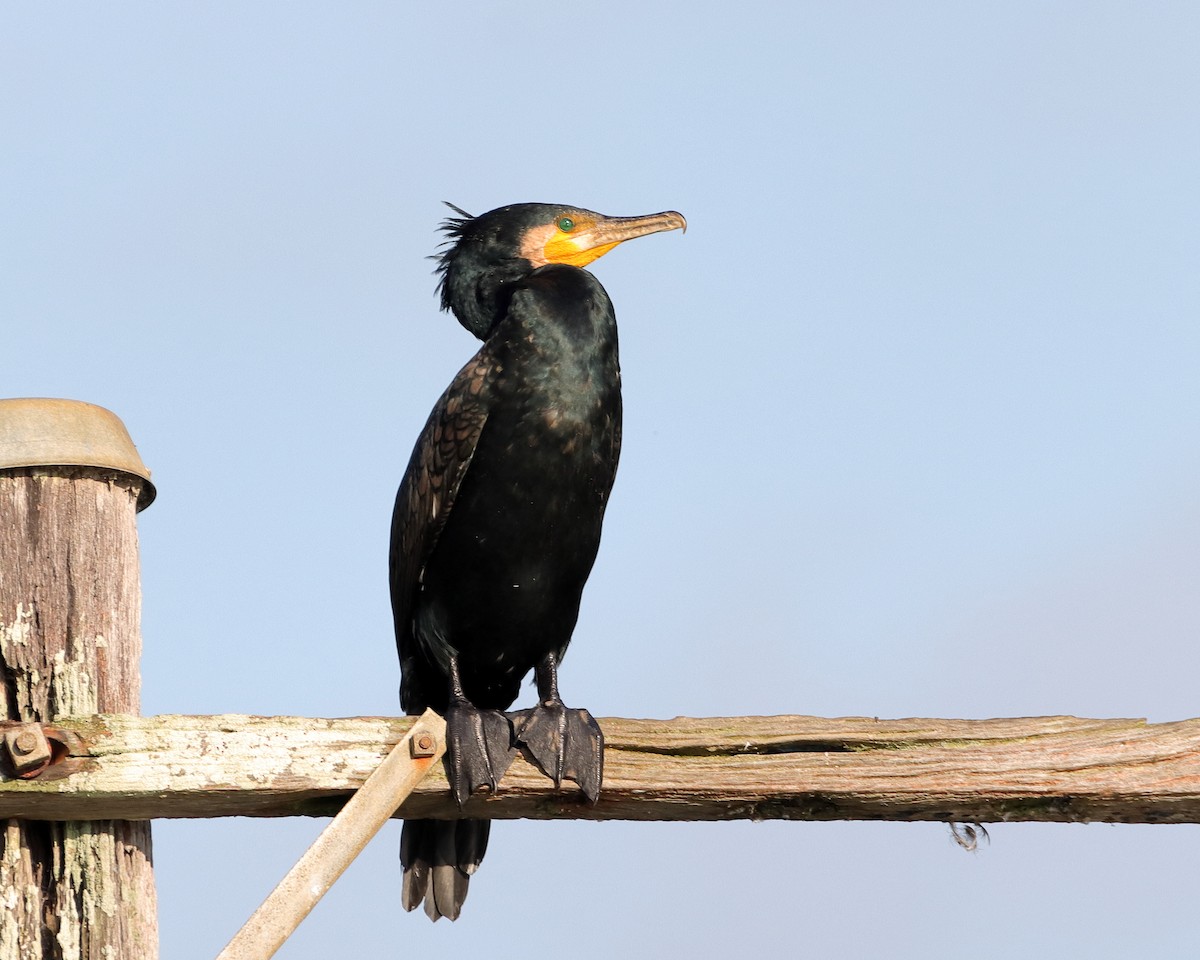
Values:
[(497, 519)]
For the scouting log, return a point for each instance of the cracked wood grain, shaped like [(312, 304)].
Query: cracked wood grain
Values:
[(1062, 769), (70, 643)]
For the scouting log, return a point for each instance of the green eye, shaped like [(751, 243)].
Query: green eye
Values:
[(566, 224)]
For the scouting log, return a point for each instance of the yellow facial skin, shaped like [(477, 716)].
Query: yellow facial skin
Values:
[(578, 237), (564, 248)]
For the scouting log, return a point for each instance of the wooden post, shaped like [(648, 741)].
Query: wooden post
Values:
[(70, 643)]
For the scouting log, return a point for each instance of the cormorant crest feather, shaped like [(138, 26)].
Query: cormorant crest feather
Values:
[(453, 228)]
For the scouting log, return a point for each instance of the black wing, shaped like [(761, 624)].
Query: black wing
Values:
[(435, 472)]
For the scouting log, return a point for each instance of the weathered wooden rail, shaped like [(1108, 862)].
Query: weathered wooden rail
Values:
[(785, 767)]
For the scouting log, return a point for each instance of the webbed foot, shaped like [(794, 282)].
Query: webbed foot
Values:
[(479, 748), (567, 744)]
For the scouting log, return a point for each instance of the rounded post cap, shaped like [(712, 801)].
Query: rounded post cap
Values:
[(44, 432)]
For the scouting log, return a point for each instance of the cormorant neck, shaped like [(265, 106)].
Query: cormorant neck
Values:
[(478, 294), (565, 310)]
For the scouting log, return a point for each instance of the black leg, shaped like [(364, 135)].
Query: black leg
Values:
[(566, 744), (479, 743)]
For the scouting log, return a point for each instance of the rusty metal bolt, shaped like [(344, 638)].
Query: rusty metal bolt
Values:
[(423, 744), (25, 743), (27, 747)]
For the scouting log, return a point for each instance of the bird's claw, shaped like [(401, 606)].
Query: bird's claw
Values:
[(566, 744), (479, 749)]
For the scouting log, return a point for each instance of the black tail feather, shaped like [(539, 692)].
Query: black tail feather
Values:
[(439, 857)]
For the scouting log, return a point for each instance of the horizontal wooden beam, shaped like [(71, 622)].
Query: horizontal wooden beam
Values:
[(724, 768)]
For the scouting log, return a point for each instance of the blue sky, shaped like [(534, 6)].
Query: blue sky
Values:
[(912, 415)]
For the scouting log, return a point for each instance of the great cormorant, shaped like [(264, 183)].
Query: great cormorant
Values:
[(497, 520)]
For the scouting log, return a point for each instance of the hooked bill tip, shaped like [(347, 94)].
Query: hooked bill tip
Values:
[(672, 220)]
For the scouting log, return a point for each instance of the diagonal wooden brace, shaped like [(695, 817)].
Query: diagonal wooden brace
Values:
[(340, 842)]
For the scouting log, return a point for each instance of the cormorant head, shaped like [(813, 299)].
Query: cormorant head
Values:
[(486, 255)]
